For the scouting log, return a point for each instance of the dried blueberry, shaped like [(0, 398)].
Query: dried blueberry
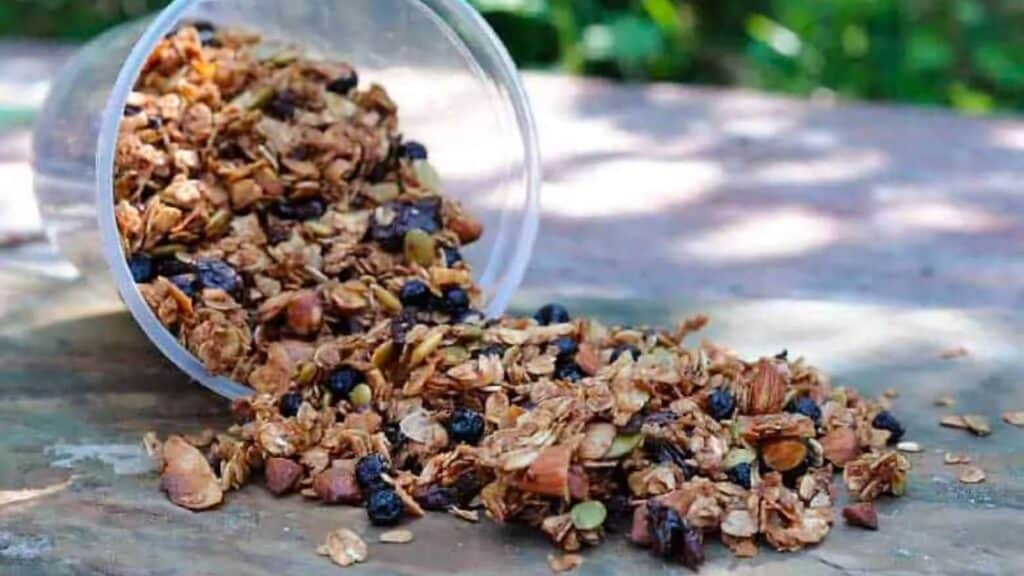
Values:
[(187, 283), (393, 220), (434, 498), (673, 537), (132, 110), (621, 348), (281, 106), (172, 267), (369, 470), (217, 274), (384, 507), (230, 151), (414, 150), (492, 350), (466, 426), (739, 474), (569, 371), (806, 406), (633, 425), (345, 83), (721, 404), (666, 452), (884, 420), (661, 417), (454, 300), (466, 488), (393, 432), (155, 123), (341, 381), (452, 256), (415, 294), (298, 210), (565, 347), (141, 267), (289, 404), (551, 314), (207, 33), (400, 326)]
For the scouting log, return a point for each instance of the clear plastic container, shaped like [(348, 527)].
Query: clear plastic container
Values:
[(457, 91)]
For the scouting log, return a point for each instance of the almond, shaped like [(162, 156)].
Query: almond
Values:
[(187, 477), (549, 473), (467, 228), (784, 454), (305, 313), (337, 486), (767, 390), (282, 474), (597, 440), (839, 446), (862, 515)]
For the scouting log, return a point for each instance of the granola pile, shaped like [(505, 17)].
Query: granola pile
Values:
[(278, 224)]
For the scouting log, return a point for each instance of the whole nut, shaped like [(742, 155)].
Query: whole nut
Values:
[(840, 446), (467, 228), (862, 515), (282, 474), (305, 313), (337, 486), (784, 454)]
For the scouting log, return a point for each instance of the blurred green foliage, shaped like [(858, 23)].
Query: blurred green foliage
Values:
[(968, 54)]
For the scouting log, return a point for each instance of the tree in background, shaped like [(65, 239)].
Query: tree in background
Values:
[(968, 54)]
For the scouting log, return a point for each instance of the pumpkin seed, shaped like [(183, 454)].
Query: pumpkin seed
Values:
[(426, 347), (427, 176), (383, 193), (588, 515), (386, 299), (361, 395), (420, 247), (624, 444)]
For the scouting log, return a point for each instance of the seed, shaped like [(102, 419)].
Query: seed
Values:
[(624, 444), (361, 395), (455, 355), (386, 299), (426, 347), (427, 176), (307, 373), (588, 515), (972, 475), (912, 447), (420, 247), (384, 192)]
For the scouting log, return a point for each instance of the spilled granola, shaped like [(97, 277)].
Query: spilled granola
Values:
[(278, 224)]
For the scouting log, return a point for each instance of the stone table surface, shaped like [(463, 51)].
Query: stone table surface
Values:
[(867, 239)]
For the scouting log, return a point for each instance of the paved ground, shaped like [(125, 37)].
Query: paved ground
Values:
[(864, 238)]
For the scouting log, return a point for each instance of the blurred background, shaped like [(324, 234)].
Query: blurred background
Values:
[(964, 54)]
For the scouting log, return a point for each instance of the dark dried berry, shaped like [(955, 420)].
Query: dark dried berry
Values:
[(721, 404), (155, 123), (784, 355), (415, 294), (281, 106), (394, 435), (452, 256), (569, 371), (207, 33), (393, 220), (454, 300), (673, 537), (670, 453), (369, 470), (172, 267), (400, 326), (466, 426), (622, 348), (289, 404), (492, 350), (298, 210), (414, 150), (740, 474), (806, 406), (141, 267), (465, 488), (884, 420), (551, 314), (434, 497), (634, 424), (230, 151), (219, 275), (565, 347), (661, 417), (132, 110), (341, 381), (344, 84), (384, 507), (187, 283)]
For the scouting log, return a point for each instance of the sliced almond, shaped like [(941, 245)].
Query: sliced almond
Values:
[(344, 547), (955, 458), (977, 424), (400, 536), (564, 562), (839, 446), (1015, 418), (912, 447), (972, 475), (187, 477), (945, 401), (953, 421)]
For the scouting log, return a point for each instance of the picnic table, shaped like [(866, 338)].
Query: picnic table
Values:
[(866, 238)]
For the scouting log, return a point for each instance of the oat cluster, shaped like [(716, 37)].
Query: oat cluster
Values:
[(278, 223)]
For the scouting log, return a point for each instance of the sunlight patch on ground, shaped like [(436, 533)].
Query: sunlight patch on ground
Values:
[(938, 217), (841, 166), (24, 495), (779, 233)]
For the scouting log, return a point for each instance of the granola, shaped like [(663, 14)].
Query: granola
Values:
[(278, 224)]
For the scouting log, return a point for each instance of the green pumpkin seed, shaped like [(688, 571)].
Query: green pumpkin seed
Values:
[(383, 355), (307, 372), (218, 223), (738, 456), (624, 444), (455, 355), (427, 176), (588, 515), (253, 99), (420, 247), (167, 250), (426, 347), (383, 193), (361, 395)]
